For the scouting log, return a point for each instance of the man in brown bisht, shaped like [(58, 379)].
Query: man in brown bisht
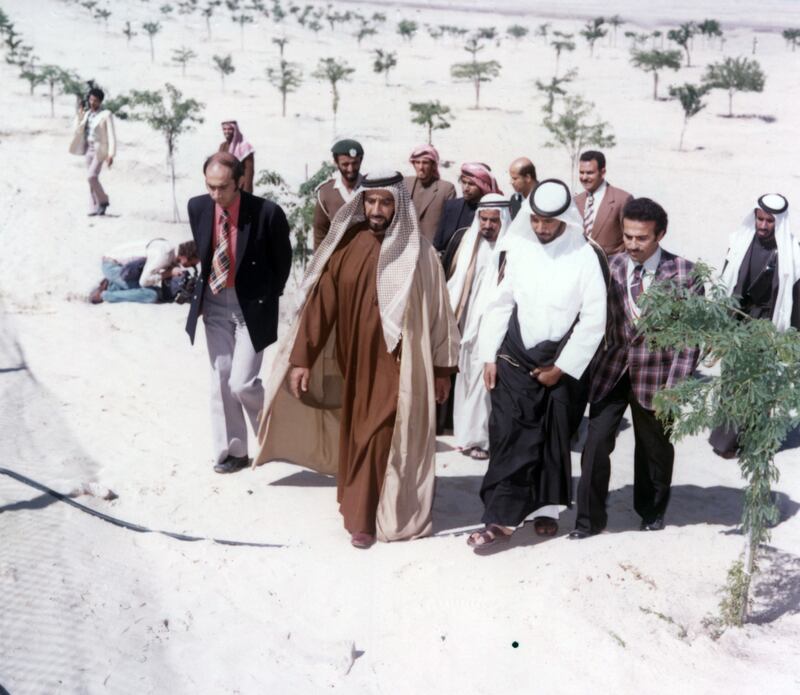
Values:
[(376, 287), (428, 191)]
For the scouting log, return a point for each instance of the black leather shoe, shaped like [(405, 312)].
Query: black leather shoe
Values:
[(232, 464), (656, 525), (579, 534)]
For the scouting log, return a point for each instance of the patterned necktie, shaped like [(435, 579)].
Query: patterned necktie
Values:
[(636, 283), (221, 262), (588, 216)]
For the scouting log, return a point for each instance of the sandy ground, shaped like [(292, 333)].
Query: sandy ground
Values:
[(115, 395)]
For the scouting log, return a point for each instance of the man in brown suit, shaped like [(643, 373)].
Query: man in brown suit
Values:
[(600, 204), (428, 192), (340, 188)]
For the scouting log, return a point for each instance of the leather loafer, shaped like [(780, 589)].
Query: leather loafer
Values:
[(579, 534), (232, 464), (656, 524), (362, 540)]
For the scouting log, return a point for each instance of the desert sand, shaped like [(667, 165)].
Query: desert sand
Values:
[(114, 396)]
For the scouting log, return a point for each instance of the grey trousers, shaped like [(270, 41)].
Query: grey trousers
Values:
[(236, 390)]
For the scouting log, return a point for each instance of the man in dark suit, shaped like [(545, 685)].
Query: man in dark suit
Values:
[(428, 192), (600, 204), (626, 373), (523, 180), (245, 258)]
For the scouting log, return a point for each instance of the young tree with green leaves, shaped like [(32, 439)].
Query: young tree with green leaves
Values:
[(286, 79), (181, 56), (151, 29), (691, 99), (52, 76), (242, 20), (562, 42), (735, 75), (364, 31), (554, 89), (592, 31), (280, 42), (683, 37), (655, 61), (486, 34), (615, 22), (170, 116), (710, 29), (103, 15), (384, 62), (33, 77), (574, 128), (476, 72), (517, 31), (542, 30), (407, 28), (129, 33), (224, 66), (208, 13), (332, 71), (755, 392), (792, 38), (433, 115)]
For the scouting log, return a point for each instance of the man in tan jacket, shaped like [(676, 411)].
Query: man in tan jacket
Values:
[(340, 188), (428, 192), (600, 204), (94, 138)]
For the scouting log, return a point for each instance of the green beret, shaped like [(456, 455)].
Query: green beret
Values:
[(352, 148)]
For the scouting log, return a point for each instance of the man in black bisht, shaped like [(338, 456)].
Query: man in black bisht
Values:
[(538, 335)]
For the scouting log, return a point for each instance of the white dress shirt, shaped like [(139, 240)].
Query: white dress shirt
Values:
[(339, 185), (550, 284), (649, 268)]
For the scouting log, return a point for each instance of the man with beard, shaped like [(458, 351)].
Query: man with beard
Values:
[(340, 188), (377, 287), (762, 267), (523, 181), (428, 192), (235, 144), (538, 336), (476, 274), (476, 181)]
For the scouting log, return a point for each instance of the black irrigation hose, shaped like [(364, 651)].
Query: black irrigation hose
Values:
[(124, 524)]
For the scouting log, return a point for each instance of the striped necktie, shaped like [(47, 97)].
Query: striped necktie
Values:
[(588, 216), (221, 262), (636, 283)]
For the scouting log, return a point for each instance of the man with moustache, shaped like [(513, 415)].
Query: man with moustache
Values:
[(428, 192), (523, 181), (340, 188), (377, 287), (600, 204), (235, 143), (762, 268), (626, 373)]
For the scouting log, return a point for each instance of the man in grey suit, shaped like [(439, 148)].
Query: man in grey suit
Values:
[(428, 192), (600, 204)]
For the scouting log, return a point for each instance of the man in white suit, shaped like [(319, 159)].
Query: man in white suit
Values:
[(94, 138)]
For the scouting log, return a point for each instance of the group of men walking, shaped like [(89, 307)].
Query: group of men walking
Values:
[(531, 301)]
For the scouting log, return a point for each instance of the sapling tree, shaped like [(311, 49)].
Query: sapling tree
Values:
[(554, 89), (574, 127), (517, 31), (755, 392), (542, 30), (656, 61), (615, 22), (224, 66), (792, 38), (562, 42), (710, 29), (103, 15), (691, 100), (385, 62), (407, 28), (129, 33), (280, 42), (592, 31), (433, 115), (683, 37), (151, 29), (33, 76), (171, 115), (286, 78), (735, 75), (52, 76), (182, 56), (242, 20), (476, 72), (333, 71)]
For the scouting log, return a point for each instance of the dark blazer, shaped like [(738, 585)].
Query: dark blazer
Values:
[(263, 262), (516, 204), (607, 227), (456, 214), (649, 372)]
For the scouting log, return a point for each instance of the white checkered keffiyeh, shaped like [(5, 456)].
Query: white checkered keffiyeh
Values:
[(396, 265)]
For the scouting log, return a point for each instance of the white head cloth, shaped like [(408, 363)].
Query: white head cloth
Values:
[(398, 255), (552, 197), (788, 256), (455, 286)]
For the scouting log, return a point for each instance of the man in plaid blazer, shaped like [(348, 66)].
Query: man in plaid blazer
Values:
[(626, 373)]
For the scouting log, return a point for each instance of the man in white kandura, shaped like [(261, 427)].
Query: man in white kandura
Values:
[(477, 269)]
